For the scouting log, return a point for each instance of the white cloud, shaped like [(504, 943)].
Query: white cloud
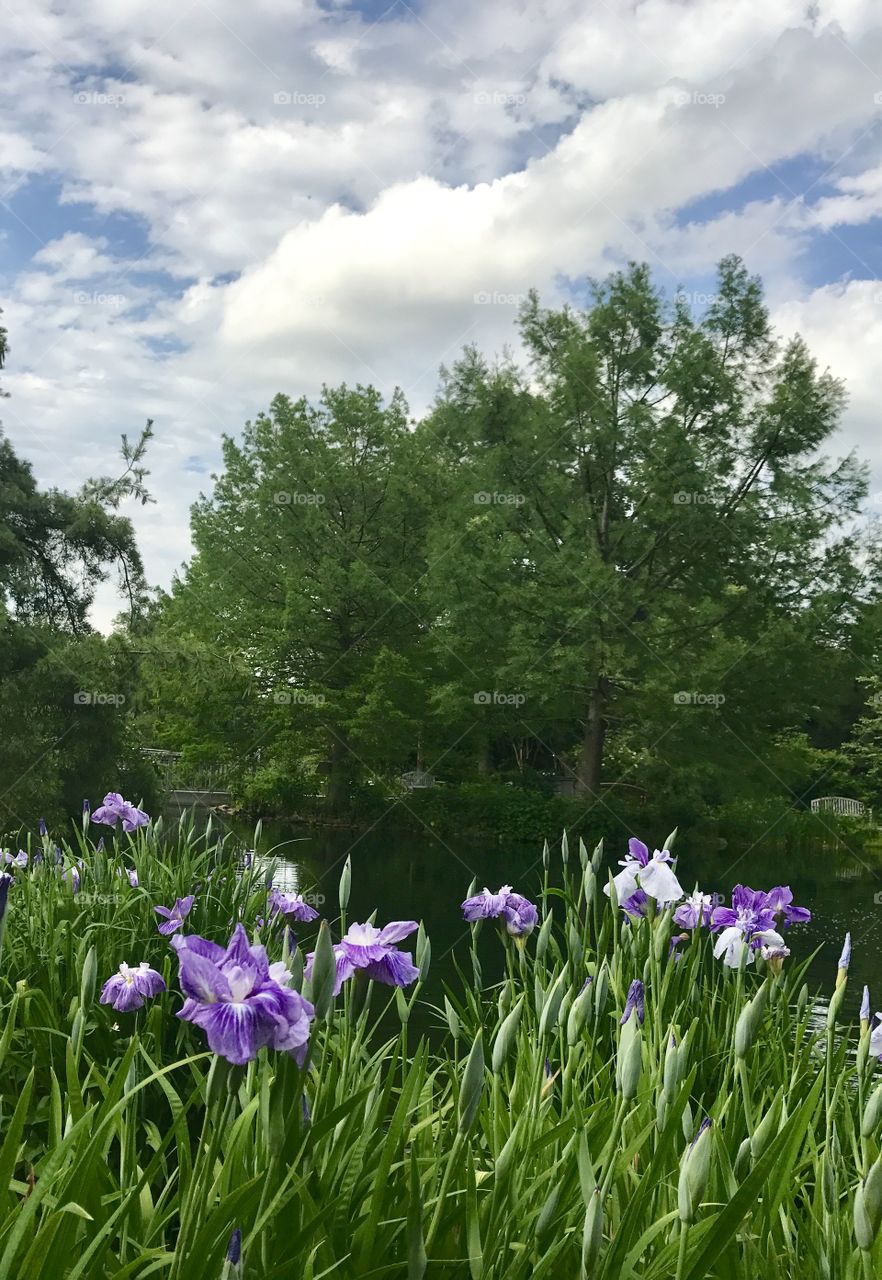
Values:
[(307, 196)]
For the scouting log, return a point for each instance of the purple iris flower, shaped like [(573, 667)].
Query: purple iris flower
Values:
[(865, 1005), (750, 912), (86, 806), (44, 830), (20, 859), (634, 1003), (290, 905), (519, 914), (695, 911), (234, 1248), (674, 944), (72, 876), (781, 901), (652, 873), (174, 916), (131, 873), (636, 904), (366, 947), (115, 809), (240, 1000), (128, 988)]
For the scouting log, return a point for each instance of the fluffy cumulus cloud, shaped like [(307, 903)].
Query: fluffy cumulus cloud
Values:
[(205, 204)]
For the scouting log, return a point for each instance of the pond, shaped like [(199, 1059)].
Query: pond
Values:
[(410, 875)]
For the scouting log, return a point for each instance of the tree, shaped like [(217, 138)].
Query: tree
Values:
[(642, 513), (309, 555)]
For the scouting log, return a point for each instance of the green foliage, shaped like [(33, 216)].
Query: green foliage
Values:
[(533, 1136)]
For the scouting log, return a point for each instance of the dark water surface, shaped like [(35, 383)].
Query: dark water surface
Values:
[(406, 875)]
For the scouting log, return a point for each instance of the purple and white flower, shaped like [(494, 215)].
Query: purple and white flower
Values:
[(520, 915), (634, 1003), (174, 917), (128, 989), (695, 911), (292, 906), (732, 941), (369, 949), (116, 809), (652, 873), (241, 1001), (19, 860)]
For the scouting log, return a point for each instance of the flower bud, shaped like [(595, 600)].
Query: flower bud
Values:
[(694, 1173), (749, 1021), (543, 936), (87, 981), (671, 1074), (579, 1011), (345, 886), (452, 1019), (324, 973), (551, 1006), (844, 961), (592, 1234), (868, 1207), (872, 1113), (597, 857), (629, 1062), (767, 1128), (601, 989), (472, 1085), (506, 1037)]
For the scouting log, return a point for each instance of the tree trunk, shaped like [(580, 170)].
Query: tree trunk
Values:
[(339, 774), (591, 758)]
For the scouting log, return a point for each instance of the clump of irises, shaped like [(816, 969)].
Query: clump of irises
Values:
[(517, 914)]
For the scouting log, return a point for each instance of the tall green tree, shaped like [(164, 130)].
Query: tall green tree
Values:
[(642, 513), (309, 558)]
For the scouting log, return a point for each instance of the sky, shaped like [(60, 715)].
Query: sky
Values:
[(203, 205)]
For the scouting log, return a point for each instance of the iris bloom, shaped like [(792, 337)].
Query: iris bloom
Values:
[(636, 904), (781, 901), (72, 877), (19, 860), (519, 914), (653, 874), (240, 1000), (634, 1003), (115, 808), (876, 1038), (366, 947), (290, 905), (128, 988), (696, 910), (174, 916), (734, 939)]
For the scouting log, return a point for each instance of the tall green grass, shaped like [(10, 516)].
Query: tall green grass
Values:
[(534, 1136)]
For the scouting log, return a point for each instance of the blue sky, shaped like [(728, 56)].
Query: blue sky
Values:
[(203, 205)]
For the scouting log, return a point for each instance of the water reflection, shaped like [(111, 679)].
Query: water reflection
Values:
[(406, 875)]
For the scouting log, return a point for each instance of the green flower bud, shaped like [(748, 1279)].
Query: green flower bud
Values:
[(543, 936), (452, 1019), (324, 973), (578, 1015), (767, 1128), (694, 1173), (872, 1113), (87, 981), (551, 1006), (472, 1085), (592, 1234), (345, 886), (671, 1074), (868, 1207), (629, 1062), (597, 857), (749, 1021), (506, 1038)]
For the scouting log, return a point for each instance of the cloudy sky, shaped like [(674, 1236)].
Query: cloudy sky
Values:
[(204, 204)]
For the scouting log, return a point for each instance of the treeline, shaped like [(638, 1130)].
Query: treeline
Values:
[(622, 568)]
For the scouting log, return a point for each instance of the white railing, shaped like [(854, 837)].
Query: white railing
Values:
[(841, 805)]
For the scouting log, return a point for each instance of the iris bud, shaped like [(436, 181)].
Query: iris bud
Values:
[(472, 1086), (749, 1021), (579, 1011), (868, 1208), (872, 1113), (592, 1234), (694, 1174), (506, 1037)]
